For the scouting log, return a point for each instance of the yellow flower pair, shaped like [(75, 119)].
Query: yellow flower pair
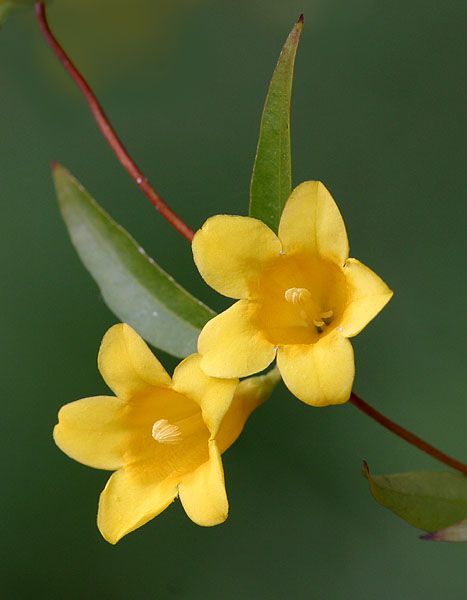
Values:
[(300, 299)]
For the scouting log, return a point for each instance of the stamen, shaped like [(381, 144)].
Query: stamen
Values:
[(309, 310), (165, 433), (297, 295)]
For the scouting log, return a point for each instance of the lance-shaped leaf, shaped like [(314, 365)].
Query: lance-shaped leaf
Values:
[(271, 182), (429, 500), (9, 6), (454, 533), (134, 287)]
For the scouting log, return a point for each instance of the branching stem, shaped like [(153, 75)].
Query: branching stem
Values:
[(406, 435), (138, 176), (108, 131)]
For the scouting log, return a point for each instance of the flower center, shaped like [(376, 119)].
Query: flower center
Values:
[(165, 433), (309, 309)]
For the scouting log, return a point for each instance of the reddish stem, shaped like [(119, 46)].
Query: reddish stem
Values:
[(108, 131), (407, 435), (138, 176)]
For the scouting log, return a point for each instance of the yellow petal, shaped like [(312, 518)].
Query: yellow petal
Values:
[(312, 222), (127, 364), (130, 499), (213, 395), (92, 431), (231, 345), (160, 461), (319, 374), (231, 252), (368, 294), (202, 492), (249, 395)]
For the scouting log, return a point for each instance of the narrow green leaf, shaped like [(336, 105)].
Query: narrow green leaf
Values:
[(455, 533), (429, 500), (271, 182), (6, 8), (134, 287), (9, 6)]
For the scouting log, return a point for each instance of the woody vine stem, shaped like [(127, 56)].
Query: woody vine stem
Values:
[(160, 205), (108, 131)]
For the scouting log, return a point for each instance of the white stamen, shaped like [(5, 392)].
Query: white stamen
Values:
[(318, 323), (326, 315), (296, 295), (165, 433)]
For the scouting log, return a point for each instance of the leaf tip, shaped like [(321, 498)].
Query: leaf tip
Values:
[(430, 537), (365, 469), (59, 171), (453, 533)]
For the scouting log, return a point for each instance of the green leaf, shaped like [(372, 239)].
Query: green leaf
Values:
[(9, 6), (134, 287), (6, 8), (429, 500), (455, 533), (271, 182)]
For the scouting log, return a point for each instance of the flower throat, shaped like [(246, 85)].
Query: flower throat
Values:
[(309, 310)]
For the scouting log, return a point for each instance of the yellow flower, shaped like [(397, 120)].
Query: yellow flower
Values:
[(163, 437), (301, 297)]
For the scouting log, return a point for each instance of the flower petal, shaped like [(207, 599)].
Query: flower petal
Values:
[(92, 431), (249, 394), (130, 499), (213, 395), (319, 374), (311, 221), (232, 346), (368, 294), (230, 253), (202, 492), (127, 364)]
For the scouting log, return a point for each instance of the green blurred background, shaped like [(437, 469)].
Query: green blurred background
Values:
[(379, 116)]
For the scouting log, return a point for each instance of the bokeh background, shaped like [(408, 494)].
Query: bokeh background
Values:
[(379, 116)]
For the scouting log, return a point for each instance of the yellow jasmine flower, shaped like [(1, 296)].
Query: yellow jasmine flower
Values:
[(300, 296), (163, 437)]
